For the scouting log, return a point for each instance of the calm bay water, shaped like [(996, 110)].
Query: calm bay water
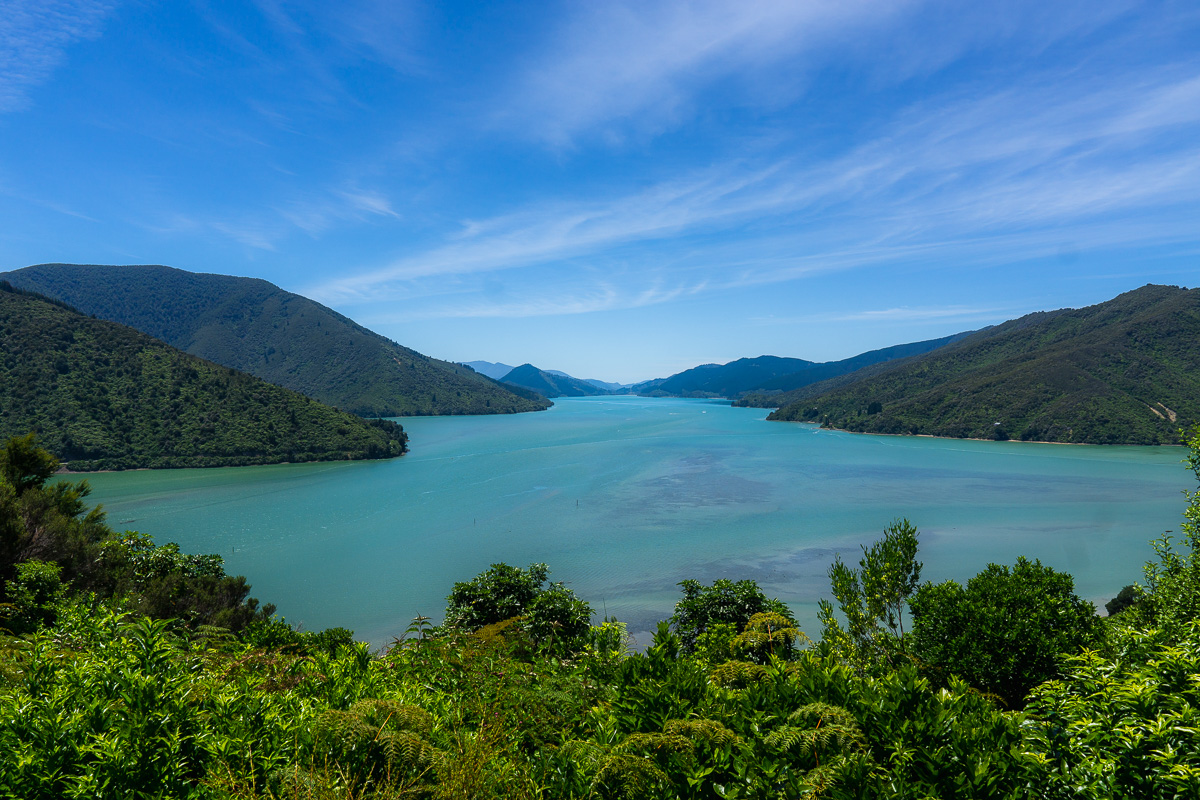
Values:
[(623, 497)]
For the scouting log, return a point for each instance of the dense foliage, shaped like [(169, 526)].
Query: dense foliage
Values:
[(48, 539), (549, 614), (1122, 372), (97, 700), (1005, 631), (711, 616), (104, 396), (256, 327)]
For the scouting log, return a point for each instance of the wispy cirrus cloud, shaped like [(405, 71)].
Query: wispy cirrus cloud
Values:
[(34, 38), (604, 296), (979, 179), (645, 61), (642, 66), (312, 214)]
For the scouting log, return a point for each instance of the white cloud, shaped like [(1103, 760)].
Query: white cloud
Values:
[(643, 66), (34, 38), (620, 60), (982, 179)]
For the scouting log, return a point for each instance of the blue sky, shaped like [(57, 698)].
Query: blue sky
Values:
[(619, 190)]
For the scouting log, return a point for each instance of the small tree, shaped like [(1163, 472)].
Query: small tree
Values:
[(24, 465), (704, 607), (551, 613), (1006, 631), (871, 596)]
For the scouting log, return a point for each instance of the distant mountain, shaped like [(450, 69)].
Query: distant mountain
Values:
[(104, 396), (493, 369), (607, 385), (289, 340), (768, 394), (725, 380), (1126, 371), (550, 384)]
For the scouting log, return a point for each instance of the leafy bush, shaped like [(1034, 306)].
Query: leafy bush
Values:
[(1005, 631), (551, 614), (725, 602)]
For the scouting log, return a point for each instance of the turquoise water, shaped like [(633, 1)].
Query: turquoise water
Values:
[(624, 497)]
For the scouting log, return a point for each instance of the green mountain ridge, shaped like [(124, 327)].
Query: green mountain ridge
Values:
[(1126, 371), (101, 395), (764, 395), (254, 326), (758, 382), (549, 384), (724, 380)]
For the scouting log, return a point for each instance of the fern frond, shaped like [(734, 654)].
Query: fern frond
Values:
[(656, 743), (394, 716), (628, 776), (708, 731), (737, 674), (589, 756)]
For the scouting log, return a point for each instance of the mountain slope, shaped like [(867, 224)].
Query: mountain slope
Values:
[(766, 395), (104, 396), (726, 380), (1125, 371), (551, 384), (254, 326)]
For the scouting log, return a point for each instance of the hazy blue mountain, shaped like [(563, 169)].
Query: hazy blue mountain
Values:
[(607, 385), (493, 369), (1126, 371), (551, 384), (281, 337), (599, 384)]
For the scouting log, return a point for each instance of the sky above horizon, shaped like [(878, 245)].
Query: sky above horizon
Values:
[(619, 190)]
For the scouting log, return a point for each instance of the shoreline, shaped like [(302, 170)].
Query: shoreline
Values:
[(970, 438)]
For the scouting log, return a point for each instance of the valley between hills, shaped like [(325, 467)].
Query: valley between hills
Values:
[(215, 370)]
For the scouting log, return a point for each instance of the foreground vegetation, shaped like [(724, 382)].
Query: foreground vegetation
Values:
[(104, 396), (1122, 372), (254, 326), (136, 671)]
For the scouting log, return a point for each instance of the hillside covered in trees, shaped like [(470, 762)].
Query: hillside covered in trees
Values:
[(129, 669), (1126, 371), (103, 396), (757, 381), (549, 384), (254, 326)]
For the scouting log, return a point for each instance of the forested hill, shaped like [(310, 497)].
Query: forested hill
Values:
[(1126, 371), (768, 394), (104, 396), (549, 384), (254, 326), (725, 380), (760, 381)]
